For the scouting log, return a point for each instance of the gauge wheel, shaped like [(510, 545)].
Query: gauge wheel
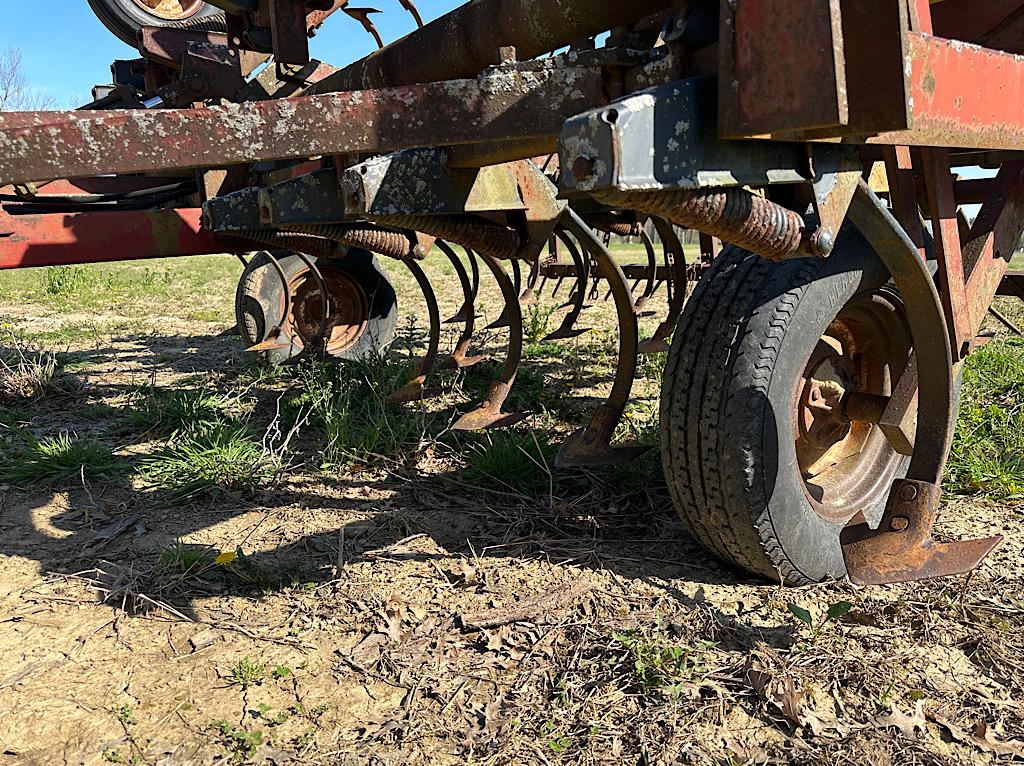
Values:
[(363, 308), (126, 17), (762, 457)]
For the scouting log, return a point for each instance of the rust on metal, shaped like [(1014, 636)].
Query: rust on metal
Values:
[(465, 41), (39, 146), (100, 237), (734, 215), (498, 242)]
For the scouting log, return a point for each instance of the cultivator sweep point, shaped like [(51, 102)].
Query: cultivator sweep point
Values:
[(813, 366)]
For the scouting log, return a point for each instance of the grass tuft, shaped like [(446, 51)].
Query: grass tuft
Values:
[(28, 373), (166, 413), (988, 452), (214, 462), (31, 462), (347, 402), (517, 459)]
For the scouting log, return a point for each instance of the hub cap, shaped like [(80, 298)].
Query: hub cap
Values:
[(348, 306), (172, 10), (847, 465)]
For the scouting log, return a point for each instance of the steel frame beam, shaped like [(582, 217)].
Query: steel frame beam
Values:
[(57, 239), (532, 105)]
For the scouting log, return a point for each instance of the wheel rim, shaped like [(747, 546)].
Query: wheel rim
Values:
[(171, 10), (348, 303), (847, 465)]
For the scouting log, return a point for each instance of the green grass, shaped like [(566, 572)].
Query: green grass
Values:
[(216, 461), (184, 558), (518, 459), (31, 462), (347, 404), (130, 289), (164, 412), (988, 452), (248, 673)]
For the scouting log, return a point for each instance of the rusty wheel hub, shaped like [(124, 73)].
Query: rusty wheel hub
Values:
[(172, 10), (349, 310), (846, 463)]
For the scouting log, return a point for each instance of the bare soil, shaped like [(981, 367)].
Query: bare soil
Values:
[(424, 620)]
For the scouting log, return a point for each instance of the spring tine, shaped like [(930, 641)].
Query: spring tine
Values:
[(517, 276), (474, 266), (410, 6), (467, 315), (362, 15), (414, 390), (488, 414), (529, 295), (468, 295), (505, 319), (558, 286), (318, 345), (652, 272), (578, 297), (591, 446), (608, 294), (676, 286)]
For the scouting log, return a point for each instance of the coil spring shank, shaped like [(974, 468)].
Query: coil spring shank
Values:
[(733, 215), (496, 241), (391, 244)]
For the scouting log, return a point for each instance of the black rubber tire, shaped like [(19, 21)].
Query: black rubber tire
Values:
[(259, 301), (727, 420), (125, 18)]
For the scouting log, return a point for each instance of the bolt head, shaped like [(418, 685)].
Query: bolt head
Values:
[(823, 241), (908, 492), (899, 523)]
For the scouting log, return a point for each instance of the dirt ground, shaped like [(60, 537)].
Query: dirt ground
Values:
[(407, 614)]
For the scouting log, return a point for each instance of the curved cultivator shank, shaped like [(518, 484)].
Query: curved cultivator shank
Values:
[(503, 133)]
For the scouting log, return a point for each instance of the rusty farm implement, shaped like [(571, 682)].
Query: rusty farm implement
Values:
[(810, 396)]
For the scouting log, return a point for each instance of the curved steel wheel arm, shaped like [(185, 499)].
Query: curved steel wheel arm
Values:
[(676, 288), (459, 358), (591, 446), (902, 549), (489, 414)]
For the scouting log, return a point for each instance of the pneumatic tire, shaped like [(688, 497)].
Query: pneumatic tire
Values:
[(126, 17), (753, 475)]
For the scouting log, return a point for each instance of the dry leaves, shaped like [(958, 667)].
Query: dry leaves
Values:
[(981, 737), (781, 691)]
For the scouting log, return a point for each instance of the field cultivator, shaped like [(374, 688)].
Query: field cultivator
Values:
[(812, 380)]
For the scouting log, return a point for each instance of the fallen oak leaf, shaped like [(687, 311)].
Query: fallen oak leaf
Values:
[(910, 725), (981, 737)]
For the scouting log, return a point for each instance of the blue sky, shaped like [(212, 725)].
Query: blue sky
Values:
[(68, 51)]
